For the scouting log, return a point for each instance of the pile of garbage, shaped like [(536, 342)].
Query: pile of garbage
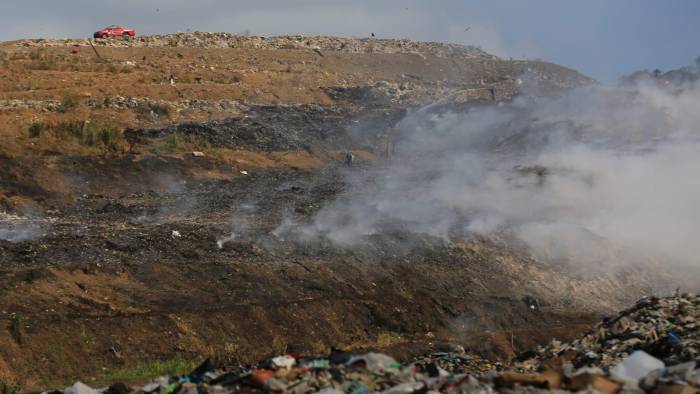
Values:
[(298, 42), (666, 328), (340, 372), (616, 362), (458, 363)]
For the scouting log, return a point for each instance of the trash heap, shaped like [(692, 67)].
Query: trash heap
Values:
[(649, 348), (319, 43), (666, 328), (340, 372), (458, 363)]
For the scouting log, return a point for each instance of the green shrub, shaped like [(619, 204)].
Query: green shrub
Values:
[(38, 54), (69, 103), (18, 328), (169, 145), (70, 128), (7, 389), (90, 134), (110, 138), (102, 135), (40, 60), (42, 65), (147, 370), (4, 58), (36, 128)]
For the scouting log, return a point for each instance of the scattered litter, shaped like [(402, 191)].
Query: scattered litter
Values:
[(665, 328), (285, 362), (198, 154), (637, 366), (375, 363), (602, 362), (176, 234), (79, 388), (320, 43), (244, 172)]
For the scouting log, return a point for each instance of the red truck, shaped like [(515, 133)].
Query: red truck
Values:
[(115, 31)]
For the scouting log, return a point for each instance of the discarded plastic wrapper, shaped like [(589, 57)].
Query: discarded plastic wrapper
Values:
[(375, 362), (285, 362), (637, 366)]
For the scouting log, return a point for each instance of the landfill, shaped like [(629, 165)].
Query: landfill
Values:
[(664, 327), (298, 42), (651, 347)]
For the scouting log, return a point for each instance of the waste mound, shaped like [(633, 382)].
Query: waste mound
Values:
[(649, 348), (666, 328), (318, 43)]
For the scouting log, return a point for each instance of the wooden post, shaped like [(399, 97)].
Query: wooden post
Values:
[(95, 49)]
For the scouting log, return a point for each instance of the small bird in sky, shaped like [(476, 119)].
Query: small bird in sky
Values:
[(467, 29)]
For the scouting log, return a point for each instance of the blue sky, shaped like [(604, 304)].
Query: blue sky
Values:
[(601, 38)]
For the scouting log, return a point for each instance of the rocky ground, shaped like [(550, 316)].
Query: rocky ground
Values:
[(142, 190)]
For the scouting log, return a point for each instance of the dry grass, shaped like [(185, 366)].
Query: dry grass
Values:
[(155, 111), (181, 143), (106, 137)]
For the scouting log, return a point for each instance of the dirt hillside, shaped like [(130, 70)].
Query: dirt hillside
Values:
[(125, 170)]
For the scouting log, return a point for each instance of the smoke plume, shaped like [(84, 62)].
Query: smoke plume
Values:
[(597, 175), (15, 228)]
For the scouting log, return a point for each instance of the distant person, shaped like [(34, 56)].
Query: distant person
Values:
[(349, 159)]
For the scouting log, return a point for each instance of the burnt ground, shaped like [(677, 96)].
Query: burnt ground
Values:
[(110, 274), (109, 257), (123, 266)]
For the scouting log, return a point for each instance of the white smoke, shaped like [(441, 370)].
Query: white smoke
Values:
[(598, 166), (16, 228), (223, 241), (177, 201), (241, 219)]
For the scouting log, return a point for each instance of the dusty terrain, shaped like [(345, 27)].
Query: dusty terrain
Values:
[(111, 227)]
